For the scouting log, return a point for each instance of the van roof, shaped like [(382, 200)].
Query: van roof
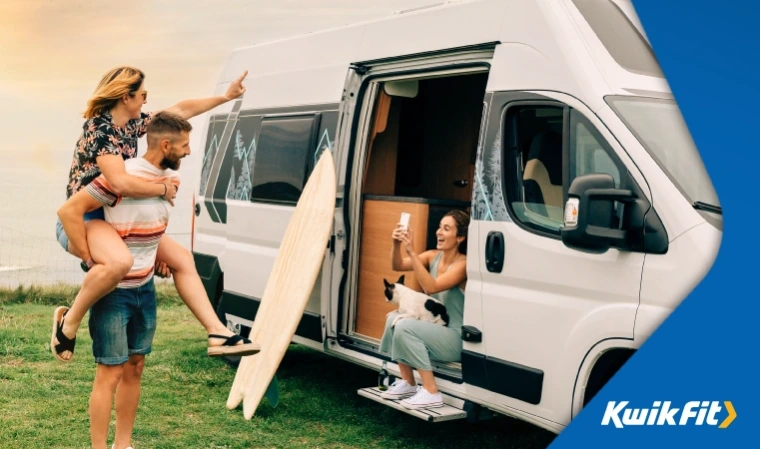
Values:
[(551, 41), (392, 16)]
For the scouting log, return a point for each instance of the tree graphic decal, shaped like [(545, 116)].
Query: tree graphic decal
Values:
[(239, 188), (488, 198), (208, 161)]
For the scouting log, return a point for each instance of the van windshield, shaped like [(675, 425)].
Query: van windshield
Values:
[(661, 129)]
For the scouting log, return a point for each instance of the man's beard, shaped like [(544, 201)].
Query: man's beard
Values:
[(170, 163)]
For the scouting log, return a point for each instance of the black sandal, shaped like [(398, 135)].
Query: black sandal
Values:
[(64, 343), (230, 347)]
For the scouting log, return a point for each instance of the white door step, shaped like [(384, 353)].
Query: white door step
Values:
[(451, 409)]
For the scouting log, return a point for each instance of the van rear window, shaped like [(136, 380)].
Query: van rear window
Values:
[(620, 37)]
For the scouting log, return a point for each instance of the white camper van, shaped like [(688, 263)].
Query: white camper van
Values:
[(549, 121)]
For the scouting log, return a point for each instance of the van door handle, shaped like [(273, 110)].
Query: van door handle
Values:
[(495, 251), (471, 334)]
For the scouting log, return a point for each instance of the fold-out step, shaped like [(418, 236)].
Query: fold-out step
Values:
[(451, 409)]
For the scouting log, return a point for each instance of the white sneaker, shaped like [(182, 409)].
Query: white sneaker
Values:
[(423, 399), (113, 446), (400, 390)]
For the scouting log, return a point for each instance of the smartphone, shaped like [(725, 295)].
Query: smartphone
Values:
[(405, 220)]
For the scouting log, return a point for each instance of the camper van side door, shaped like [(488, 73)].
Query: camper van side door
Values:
[(544, 305)]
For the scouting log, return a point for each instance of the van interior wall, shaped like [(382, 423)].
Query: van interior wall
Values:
[(439, 137), (427, 143)]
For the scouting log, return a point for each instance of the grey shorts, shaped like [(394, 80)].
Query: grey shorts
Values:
[(60, 234), (123, 323)]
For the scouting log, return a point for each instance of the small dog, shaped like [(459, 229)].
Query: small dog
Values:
[(415, 305)]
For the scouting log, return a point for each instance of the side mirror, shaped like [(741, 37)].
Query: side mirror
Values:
[(590, 211)]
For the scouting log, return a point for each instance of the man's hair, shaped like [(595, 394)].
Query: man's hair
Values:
[(165, 124)]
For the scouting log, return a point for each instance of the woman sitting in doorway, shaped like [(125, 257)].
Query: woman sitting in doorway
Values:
[(413, 343)]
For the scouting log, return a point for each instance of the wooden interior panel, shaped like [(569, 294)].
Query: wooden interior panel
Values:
[(380, 217), (383, 148)]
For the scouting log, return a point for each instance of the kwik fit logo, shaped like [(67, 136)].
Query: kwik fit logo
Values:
[(665, 413)]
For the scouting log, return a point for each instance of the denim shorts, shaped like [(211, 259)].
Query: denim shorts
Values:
[(60, 234), (123, 323)]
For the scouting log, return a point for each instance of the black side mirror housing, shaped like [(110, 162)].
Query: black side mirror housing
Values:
[(590, 211)]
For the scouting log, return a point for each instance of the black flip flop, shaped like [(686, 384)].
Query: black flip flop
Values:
[(230, 347), (64, 343)]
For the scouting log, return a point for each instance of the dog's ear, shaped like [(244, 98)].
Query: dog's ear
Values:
[(400, 280), (387, 284)]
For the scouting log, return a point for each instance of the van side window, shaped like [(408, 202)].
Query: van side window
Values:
[(215, 172), (213, 139), (533, 165), (283, 158), (545, 148)]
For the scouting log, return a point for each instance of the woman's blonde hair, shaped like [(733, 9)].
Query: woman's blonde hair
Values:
[(116, 83)]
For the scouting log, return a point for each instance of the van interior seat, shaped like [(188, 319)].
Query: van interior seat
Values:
[(542, 177)]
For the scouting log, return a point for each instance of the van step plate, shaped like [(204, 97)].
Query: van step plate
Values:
[(448, 412)]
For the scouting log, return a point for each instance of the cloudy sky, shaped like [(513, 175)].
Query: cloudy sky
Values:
[(54, 52)]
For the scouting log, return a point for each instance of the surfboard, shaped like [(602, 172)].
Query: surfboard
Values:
[(290, 283)]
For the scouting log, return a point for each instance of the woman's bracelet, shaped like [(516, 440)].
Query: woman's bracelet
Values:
[(166, 189)]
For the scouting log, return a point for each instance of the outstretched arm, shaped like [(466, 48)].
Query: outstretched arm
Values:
[(111, 164), (190, 108)]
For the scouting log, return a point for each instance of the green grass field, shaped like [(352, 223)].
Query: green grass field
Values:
[(43, 403)]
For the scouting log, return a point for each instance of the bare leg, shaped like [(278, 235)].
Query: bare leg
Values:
[(190, 287), (101, 401), (113, 263), (407, 373), (127, 398), (428, 381)]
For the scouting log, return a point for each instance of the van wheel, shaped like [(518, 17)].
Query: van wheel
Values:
[(606, 367)]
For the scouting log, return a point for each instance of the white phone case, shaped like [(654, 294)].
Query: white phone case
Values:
[(405, 220)]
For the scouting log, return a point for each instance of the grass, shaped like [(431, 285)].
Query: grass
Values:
[(44, 402), (62, 294)]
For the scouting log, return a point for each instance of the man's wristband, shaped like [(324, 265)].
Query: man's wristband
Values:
[(87, 265)]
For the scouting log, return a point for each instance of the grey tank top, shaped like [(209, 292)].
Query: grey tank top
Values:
[(452, 298)]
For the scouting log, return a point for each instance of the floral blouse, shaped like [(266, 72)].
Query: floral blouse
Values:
[(100, 137)]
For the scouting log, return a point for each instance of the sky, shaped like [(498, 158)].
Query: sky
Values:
[(53, 53)]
